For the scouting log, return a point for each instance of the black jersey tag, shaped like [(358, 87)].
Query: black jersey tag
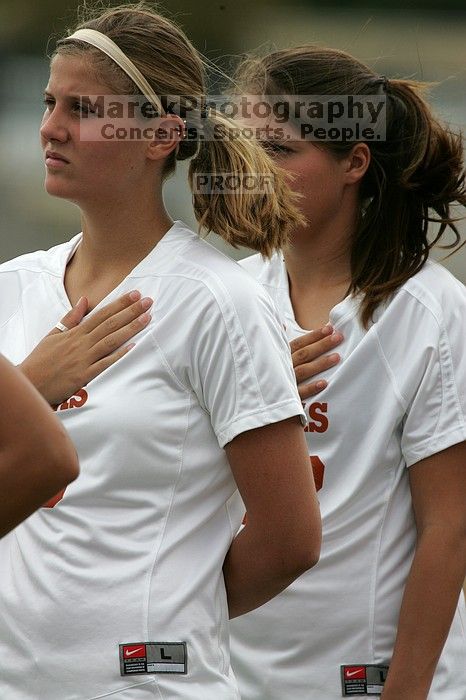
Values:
[(363, 679), (153, 657)]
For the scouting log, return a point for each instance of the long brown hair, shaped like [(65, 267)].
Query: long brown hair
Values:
[(415, 176), (173, 67)]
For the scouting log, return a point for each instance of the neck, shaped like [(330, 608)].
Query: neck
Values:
[(116, 238), (319, 260), (319, 271)]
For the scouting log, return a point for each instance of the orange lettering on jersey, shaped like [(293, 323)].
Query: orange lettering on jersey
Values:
[(76, 401), (318, 420), (56, 499), (318, 469), (79, 399)]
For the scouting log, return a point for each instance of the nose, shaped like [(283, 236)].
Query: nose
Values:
[(54, 126)]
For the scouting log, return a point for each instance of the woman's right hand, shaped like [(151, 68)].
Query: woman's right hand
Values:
[(308, 353), (65, 361)]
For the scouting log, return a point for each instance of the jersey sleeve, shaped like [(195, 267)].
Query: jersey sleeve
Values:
[(240, 366), (430, 373)]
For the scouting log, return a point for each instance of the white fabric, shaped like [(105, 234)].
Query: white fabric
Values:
[(133, 552), (397, 397)]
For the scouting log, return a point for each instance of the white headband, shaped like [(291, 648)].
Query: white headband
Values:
[(102, 42)]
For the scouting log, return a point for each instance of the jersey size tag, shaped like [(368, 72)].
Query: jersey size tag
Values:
[(363, 679), (153, 657)]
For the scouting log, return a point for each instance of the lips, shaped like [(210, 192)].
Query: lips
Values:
[(54, 156)]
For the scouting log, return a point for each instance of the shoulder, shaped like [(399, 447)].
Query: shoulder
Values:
[(211, 316), (38, 261), (437, 291), (206, 300), (269, 272), (18, 274), (423, 324), (32, 262), (211, 275), (433, 298)]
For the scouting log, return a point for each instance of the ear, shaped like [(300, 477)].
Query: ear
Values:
[(357, 162), (169, 132)]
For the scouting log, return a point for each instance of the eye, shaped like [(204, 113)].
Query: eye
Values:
[(48, 102), (276, 148), (83, 108)]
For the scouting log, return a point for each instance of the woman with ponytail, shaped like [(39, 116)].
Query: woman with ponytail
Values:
[(121, 586), (382, 613)]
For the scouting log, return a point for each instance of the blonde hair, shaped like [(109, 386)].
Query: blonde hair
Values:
[(172, 66)]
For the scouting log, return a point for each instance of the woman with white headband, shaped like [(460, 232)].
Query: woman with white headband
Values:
[(122, 586)]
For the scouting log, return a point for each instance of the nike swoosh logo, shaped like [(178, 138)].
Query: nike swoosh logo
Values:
[(353, 673), (133, 651)]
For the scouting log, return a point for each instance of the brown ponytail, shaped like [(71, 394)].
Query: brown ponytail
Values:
[(415, 177), (172, 66)]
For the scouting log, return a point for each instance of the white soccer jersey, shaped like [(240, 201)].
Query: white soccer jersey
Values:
[(397, 396), (124, 573)]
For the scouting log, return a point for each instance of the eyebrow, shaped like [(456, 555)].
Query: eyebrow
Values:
[(276, 141), (71, 98)]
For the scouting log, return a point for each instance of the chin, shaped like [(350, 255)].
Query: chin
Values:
[(55, 188)]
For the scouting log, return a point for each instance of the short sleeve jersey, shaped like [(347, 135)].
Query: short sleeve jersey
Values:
[(124, 572), (397, 396)]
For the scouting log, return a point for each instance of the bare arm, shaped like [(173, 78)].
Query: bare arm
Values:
[(281, 538), (438, 487), (37, 458)]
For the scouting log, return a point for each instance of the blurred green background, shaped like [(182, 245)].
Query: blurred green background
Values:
[(424, 39)]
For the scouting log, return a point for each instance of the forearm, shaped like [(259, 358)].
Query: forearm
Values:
[(37, 458), (256, 569), (429, 602), (29, 478), (282, 535), (32, 371)]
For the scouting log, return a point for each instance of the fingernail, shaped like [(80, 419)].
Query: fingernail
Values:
[(334, 358), (145, 318), (134, 295), (146, 303), (321, 385), (79, 301), (326, 330), (337, 336)]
